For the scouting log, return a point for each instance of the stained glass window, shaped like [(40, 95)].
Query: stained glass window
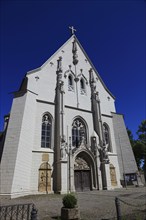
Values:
[(78, 132)]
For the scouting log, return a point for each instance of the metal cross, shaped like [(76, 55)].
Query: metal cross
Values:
[(72, 30)]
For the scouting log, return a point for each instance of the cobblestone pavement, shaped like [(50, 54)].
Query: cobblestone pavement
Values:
[(93, 205)]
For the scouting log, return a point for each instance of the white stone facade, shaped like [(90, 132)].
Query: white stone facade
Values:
[(29, 168)]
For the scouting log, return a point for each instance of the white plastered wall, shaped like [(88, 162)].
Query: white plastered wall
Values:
[(17, 157), (38, 151)]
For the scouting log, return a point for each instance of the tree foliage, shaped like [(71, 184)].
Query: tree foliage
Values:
[(139, 145), (142, 132)]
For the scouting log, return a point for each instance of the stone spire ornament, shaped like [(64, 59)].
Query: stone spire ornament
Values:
[(91, 76), (74, 51), (92, 81), (59, 65)]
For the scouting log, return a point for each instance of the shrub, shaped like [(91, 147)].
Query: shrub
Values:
[(69, 201)]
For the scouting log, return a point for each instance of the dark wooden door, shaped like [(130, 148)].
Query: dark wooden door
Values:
[(82, 180)]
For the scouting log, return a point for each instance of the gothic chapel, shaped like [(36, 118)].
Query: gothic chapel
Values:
[(63, 133)]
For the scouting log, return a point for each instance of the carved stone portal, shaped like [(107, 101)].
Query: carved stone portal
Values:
[(44, 178), (82, 175), (81, 164)]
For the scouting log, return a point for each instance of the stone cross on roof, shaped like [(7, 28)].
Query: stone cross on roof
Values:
[(72, 30)]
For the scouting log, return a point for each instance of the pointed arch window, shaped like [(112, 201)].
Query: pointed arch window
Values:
[(46, 131), (82, 86), (70, 83), (106, 132), (79, 134)]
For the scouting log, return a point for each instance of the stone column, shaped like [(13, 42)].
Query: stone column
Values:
[(60, 145), (97, 122), (57, 138)]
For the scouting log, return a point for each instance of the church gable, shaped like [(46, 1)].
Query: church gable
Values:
[(75, 68)]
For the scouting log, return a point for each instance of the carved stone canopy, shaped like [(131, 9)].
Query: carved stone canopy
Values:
[(81, 164), (46, 119)]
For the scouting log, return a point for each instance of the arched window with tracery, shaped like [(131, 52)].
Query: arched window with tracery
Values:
[(79, 134), (107, 140), (70, 83), (82, 86), (46, 131)]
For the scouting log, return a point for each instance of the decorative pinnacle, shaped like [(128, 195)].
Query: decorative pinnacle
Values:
[(59, 65), (91, 76), (72, 30), (74, 51)]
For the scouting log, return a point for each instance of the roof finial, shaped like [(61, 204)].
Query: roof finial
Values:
[(72, 30)]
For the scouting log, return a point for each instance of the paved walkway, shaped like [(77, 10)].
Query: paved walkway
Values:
[(93, 205)]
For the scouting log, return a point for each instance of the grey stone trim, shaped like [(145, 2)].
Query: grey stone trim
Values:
[(32, 92), (39, 151), (109, 116), (78, 109), (45, 102)]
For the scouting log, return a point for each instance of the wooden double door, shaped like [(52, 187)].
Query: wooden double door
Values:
[(82, 180)]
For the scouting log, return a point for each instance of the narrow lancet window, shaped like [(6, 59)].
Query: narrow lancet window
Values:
[(70, 83), (82, 86), (46, 131)]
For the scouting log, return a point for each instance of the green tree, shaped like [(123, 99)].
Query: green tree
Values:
[(142, 132), (139, 150), (142, 139), (139, 145)]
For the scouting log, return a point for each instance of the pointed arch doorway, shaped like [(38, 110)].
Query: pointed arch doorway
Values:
[(82, 174)]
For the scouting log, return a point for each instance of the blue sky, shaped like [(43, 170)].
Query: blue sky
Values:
[(111, 32)]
